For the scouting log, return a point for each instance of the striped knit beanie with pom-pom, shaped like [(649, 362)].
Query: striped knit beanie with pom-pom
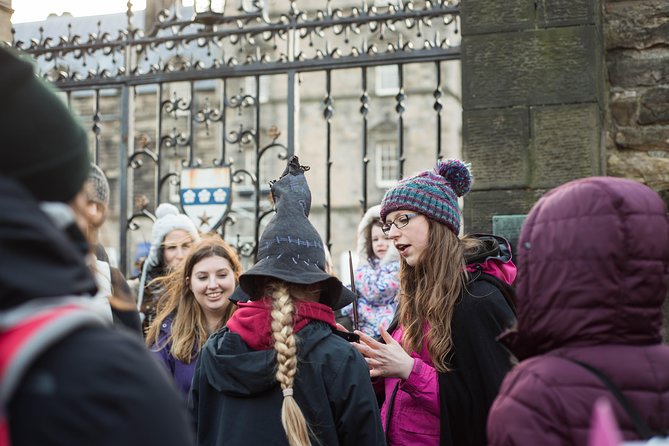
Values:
[(432, 193)]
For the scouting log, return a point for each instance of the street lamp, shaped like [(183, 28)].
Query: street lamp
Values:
[(209, 12)]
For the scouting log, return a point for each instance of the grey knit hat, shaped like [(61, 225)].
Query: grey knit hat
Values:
[(100, 190)]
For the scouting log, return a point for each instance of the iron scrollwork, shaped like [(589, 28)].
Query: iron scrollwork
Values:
[(251, 41), (250, 38)]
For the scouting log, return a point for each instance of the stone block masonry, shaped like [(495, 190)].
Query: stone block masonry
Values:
[(636, 39), (533, 101)]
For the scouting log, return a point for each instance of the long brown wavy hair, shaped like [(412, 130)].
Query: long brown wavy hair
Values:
[(429, 292), (189, 324)]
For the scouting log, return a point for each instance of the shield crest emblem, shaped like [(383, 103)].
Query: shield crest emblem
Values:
[(205, 195)]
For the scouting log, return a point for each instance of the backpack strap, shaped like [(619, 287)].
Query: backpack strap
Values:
[(639, 425), (23, 339)]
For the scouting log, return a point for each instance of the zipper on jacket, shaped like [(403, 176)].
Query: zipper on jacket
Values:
[(391, 404)]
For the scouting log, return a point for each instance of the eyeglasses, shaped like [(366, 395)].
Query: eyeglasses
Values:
[(400, 222)]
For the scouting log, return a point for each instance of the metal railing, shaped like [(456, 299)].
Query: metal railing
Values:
[(189, 68)]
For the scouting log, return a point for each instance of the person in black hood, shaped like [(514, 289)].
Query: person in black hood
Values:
[(94, 384), (278, 373)]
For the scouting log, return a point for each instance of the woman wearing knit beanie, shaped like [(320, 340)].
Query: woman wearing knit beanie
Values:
[(172, 236), (439, 367), (113, 288)]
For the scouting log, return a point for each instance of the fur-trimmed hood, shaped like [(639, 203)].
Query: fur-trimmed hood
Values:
[(373, 213)]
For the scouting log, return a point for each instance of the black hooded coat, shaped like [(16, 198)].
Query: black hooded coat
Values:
[(236, 399), (96, 386)]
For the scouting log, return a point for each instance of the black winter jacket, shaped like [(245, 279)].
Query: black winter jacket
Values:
[(236, 399), (97, 385)]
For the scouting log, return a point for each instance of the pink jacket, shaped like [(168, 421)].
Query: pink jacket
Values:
[(415, 409)]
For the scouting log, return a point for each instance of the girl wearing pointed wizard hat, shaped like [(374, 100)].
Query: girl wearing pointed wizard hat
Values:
[(279, 373)]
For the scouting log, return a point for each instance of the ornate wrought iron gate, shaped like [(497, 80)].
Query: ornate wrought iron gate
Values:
[(239, 85)]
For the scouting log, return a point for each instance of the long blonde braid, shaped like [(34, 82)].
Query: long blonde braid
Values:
[(292, 418)]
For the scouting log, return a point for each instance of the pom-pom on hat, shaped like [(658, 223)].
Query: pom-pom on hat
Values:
[(168, 219), (432, 193)]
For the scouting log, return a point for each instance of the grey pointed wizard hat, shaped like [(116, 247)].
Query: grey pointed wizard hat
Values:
[(290, 248)]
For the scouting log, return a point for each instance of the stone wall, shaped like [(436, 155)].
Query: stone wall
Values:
[(5, 20), (636, 38), (559, 90), (556, 90), (532, 101)]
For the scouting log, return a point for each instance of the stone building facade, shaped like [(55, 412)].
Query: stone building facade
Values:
[(533, 101), (558, 90), (343, 127), (6, 20), (636, 42)]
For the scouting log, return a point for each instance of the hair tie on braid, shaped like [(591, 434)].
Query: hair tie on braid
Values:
[(288, 392)]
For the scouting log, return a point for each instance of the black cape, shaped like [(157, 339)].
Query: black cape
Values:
[(478, 364)]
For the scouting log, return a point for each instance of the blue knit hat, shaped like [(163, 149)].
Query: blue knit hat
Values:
[(432, 193)]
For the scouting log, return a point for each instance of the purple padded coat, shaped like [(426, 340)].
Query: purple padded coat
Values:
[(594, 259)]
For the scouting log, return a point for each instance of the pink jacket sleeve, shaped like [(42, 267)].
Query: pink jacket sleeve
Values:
[(423, 385)]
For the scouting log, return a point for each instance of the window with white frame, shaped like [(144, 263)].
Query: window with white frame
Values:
[(387, 164), (387, 80)]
